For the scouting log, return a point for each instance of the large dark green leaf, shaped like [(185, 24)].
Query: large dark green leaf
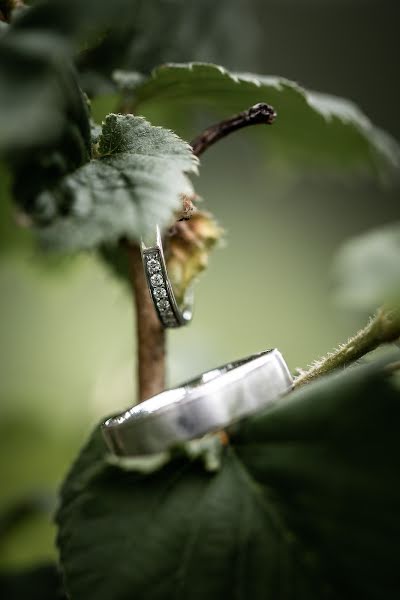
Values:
[(367, 269), (38, 93), (43, 115), (39, 99), (134, 183), (39, 583), (305, 505), (130, 33), (310, 126), (156, 31), (73, 20), (331, 461)]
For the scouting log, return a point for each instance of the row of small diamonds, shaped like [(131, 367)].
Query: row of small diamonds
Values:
[(159, 289)]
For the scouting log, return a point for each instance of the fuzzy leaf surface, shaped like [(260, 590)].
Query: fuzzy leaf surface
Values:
[(305, 505), (311, 127), (134, 183)]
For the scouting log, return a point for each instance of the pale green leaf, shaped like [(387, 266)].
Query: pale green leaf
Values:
[(310, 127), (134, 183), (303, 506), (367, 269)]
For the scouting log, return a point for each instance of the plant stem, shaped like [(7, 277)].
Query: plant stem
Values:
[(151, 338), (259, 113), (150, 332), (383, 328)]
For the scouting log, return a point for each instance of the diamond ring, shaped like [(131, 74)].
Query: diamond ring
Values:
[(214, 400), (169, 312)]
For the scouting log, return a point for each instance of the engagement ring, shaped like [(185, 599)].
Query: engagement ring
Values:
[(169, 312)]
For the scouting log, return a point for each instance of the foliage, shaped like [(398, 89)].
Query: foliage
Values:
[(368, 269), (135, 182), (40, 583), (47, 141), (304, 501), (311, 127), (167, 30), (303, 506)]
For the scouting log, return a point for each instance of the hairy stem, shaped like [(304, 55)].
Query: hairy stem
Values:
[(150, 332), (383, 328), (255, 115)]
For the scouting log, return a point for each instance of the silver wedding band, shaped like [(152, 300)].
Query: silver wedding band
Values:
[(214, 400), (170, 313)]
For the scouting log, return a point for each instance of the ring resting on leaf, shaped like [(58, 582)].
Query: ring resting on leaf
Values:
[(213, 401)]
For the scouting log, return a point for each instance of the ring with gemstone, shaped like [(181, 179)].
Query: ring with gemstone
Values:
[(213, 401), (170, 313)]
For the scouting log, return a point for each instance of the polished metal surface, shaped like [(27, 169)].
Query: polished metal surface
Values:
[(213, 401), (162, 294)]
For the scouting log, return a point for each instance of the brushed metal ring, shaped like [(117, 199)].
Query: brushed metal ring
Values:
[(214, 400)]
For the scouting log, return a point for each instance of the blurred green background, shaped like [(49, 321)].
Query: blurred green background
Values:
[(67, 325)]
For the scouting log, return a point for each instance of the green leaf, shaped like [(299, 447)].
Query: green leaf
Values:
[(367, 269), (44, 116), (330, 461), (39, 583), (3, 27), (311, 127), (38, 96), (158, 31), (135, 183), (38, 93), (73, 20), (305, 505)]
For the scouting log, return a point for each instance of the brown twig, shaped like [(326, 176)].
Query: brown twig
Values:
[(260, 113), (150, 333)]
